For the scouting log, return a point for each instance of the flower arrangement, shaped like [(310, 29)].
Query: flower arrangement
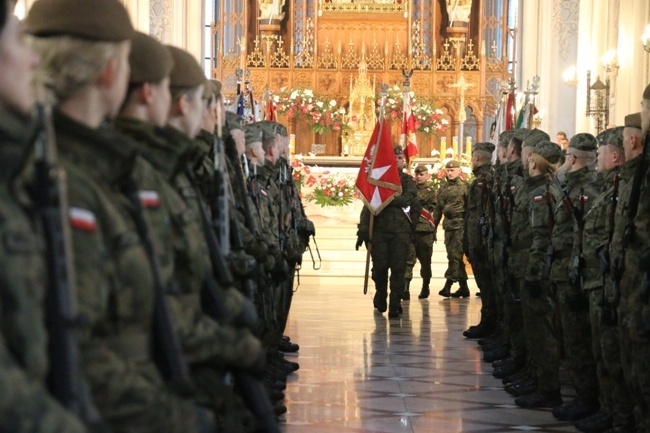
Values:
[(300, 172), (322, 115), (428, 119), (331, 190)]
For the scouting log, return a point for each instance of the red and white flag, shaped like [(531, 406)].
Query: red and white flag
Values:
[(270, 111), (378, 181), (428, 217), (408, 140), (510, 112)]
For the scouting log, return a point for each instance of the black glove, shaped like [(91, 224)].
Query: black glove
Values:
[(534, 289), (358, 244), (435, 237), (577, 301)]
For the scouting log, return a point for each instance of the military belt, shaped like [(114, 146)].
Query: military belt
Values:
[(134, 347), (562, 254)]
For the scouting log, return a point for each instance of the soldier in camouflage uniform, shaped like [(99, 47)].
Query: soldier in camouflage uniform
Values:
[(581, 186), (391, 237), (614, 399), (115, 281), (425, 234), (25, 403), (451, 203), (538, 307), (479, 236)]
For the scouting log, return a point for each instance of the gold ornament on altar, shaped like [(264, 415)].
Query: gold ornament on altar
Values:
[(361, 113)]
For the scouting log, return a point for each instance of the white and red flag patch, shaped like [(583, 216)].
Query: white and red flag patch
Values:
[(82, 219), (149, 199)]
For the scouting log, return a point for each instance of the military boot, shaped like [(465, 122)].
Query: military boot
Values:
[(463, 291), (540, 398), (597, 423), (406, 295), (424, 293), (446, 291)]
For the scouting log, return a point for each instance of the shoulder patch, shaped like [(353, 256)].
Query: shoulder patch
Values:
[(149, 199), (584, 198), (82, 219), (263, 192), (538, 198)]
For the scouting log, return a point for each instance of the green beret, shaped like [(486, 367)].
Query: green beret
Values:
[(548, 150), (484, 147), (633, 121), (97, 20), (535, 136), (584, 141), (452, 164), (646, 92), (506, 136), (421, 168), (233, 121), (149, 59), (398, 150), (613, 136), (186, 71), (253, 134)]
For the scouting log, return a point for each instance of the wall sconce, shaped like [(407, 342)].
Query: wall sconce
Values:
[(598, 102), (570, 77), (645, 38), (609, 62)]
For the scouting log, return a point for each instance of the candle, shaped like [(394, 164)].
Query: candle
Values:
[(468, 148), (483, 48), (454, 145), (443, 147)]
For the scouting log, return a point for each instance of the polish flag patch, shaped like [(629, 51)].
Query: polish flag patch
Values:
[(584, 199), (82, 219), (263, 192), (538, 198), (149, 199)]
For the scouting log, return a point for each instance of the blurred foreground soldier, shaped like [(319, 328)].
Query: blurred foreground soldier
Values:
[(25, 403), (84, 47), (581, 187), (425, 234), (390, 243), (615, 404), (479, 238), (451, 203)]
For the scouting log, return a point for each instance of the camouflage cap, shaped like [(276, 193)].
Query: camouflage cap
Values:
[(186, 71), (521, 133), (613, 136), (268, 129), (506, 136), (97, 20), (646, 92), (452, 164), (150, 61), (253, 134), (233, 121), (584, 141), (421, 168), (548, 150), (484, 147), (535, 136), (633, 121), (398, 150), (282, 130)]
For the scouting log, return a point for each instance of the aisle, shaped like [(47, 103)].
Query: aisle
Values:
[(362, 373)]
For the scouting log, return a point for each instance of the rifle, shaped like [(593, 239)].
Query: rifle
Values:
[(61, 313)]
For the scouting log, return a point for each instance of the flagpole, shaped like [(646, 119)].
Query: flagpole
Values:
[(383, 94)]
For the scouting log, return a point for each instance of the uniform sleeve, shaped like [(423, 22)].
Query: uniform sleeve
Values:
[(539, 220), (409, 193)]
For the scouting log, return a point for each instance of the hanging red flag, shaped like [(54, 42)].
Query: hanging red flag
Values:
[(408, 140), (510, 106), (270, 111), (378, 181)]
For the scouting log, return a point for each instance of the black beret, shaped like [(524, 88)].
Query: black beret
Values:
[(186, 71), (584, 141), (98, 20), (150, 60)]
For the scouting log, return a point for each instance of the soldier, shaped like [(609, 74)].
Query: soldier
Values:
[(581, 186), (425, 234), (451, 203), (479, 236), (615, 404), (85, 47), (26, 404), (390, 243), (542, 195)]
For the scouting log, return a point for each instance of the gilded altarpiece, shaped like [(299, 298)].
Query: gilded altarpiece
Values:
[(319, 45)]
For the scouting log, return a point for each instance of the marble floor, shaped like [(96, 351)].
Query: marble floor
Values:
[(361, 372)]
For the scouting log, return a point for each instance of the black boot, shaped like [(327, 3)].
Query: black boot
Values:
[(406, 295), (446, 291), (424, 293), (463, 291)]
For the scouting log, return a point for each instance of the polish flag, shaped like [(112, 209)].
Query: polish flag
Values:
[(428, 216), (408, 140), (82, 219), (149, 199)]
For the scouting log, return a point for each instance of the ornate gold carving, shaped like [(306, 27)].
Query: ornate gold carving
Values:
[(350, 60), (231, 60), (327, 58), (256, 58), (302, 79), (383, 7), (279, 59), (279, 80), (326, 83), (444, 82), (421, 84), (420, 60), (445, 61), (493, 62), (470, 62), (305, 59), (398, 60), (375, 60)]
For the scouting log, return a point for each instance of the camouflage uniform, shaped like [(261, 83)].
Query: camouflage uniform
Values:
[(115, 286), (451, 204), (425, 235), (580, 189), (391, 237), (25, 403)]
